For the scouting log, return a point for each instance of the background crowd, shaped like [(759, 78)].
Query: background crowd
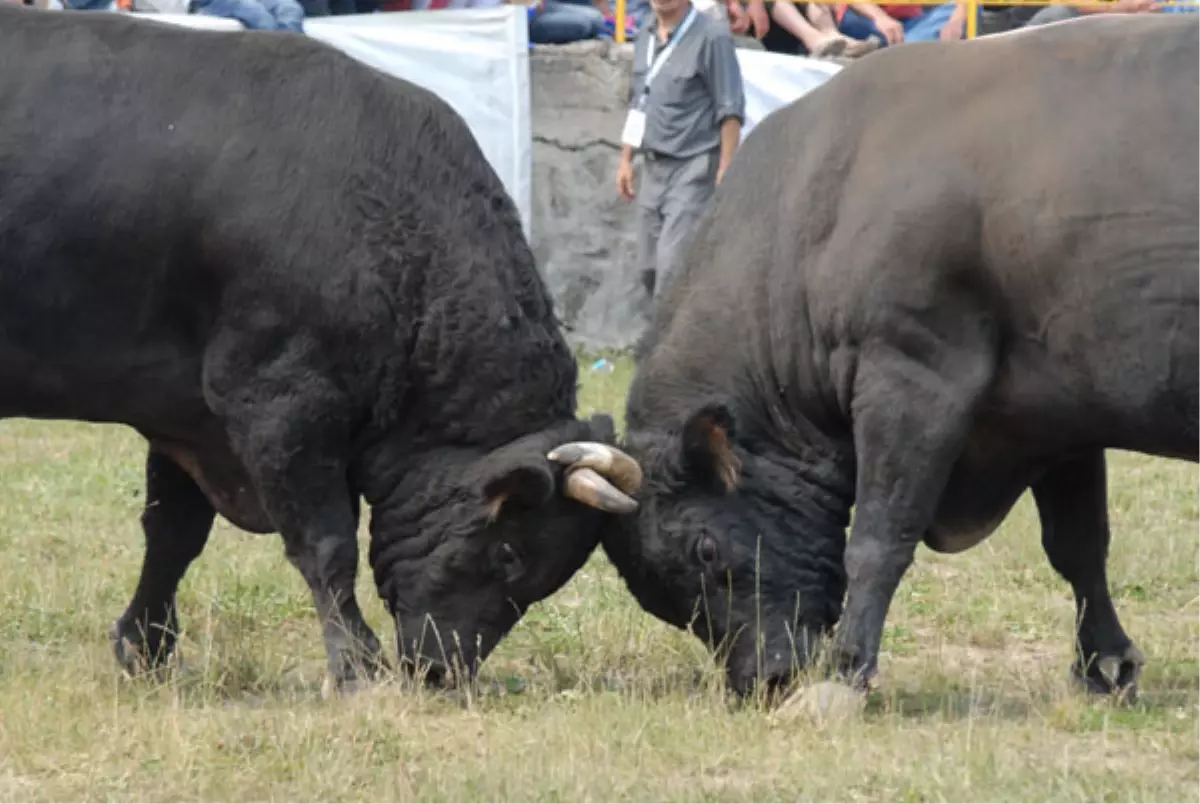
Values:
[(551, 22), (820, 30), (851, 30)]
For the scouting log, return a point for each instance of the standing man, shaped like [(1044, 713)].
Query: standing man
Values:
[(685, 119)]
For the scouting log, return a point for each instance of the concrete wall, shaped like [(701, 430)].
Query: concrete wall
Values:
[(583, 232)]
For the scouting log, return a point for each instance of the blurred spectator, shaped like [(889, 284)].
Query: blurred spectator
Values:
[(608, 9), (631, 27), (154, 6), (551, 22), (1061, 13), (998, 19), (257, 15), (557, 22), (638, 11), (1188, 8), (325, 8), (731, 15), (759, 19), (893, 24), (424, 5), (808, 29), (687, 104)]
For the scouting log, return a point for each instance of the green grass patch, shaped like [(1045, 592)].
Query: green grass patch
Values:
[(589, 698)]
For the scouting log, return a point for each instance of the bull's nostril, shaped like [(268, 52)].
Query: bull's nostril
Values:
[(435, 676), (432, 674)]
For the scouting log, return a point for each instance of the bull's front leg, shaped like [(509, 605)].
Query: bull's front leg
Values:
[(911, 420), (291, 433), (320, 540), (303, 488)]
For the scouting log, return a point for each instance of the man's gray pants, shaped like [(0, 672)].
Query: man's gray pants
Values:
[(671, 199)]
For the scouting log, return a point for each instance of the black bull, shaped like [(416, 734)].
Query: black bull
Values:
[(301, 282), (953, 273)]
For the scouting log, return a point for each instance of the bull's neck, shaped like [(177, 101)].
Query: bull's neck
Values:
[(471, 378), (480, 359), (823, 478)]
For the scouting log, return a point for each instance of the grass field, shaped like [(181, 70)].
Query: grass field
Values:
[(589, 698)]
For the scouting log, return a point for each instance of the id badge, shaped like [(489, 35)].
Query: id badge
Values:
[(635, 128)]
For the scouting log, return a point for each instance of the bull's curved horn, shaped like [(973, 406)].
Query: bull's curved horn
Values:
[(610, 462), (590, 488)]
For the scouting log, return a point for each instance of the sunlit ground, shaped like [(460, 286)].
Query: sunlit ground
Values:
[(589, 698)]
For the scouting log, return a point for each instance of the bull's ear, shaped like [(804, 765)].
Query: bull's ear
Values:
[(708, 447), (527, 484)]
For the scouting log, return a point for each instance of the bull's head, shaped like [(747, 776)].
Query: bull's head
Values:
[(738, 543), (468, 540)]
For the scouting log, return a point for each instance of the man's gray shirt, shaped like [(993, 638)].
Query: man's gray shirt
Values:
[(698, 87)]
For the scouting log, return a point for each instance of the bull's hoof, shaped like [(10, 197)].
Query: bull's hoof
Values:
[(846, 668), (1112, 674), (365, 669), (136, 659), (333, 687), (354, 674), (824, 702)]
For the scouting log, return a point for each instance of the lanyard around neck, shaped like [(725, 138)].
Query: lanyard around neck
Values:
[(656, 66)]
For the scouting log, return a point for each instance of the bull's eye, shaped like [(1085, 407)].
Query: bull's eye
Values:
[(706, 550)]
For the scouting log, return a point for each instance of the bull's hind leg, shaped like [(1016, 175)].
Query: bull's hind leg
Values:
[(176, 521), (1072, 500)]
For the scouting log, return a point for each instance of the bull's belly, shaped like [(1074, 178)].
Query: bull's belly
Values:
[(977, 499), (946, 536), (222, 478), (169, 413)]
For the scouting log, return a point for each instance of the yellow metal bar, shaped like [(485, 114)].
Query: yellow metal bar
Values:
[(619, 33), (972, 19)]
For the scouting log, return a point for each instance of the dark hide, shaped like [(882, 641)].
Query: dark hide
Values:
[(906, 303), (301, 281)]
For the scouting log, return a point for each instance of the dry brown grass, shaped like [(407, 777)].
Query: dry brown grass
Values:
[(589, 699)]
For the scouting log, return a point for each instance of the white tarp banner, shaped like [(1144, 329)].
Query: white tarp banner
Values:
[(477, 60), (773, 80)]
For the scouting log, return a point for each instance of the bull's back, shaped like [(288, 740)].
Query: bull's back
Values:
[(144, 170), (1037, 143), (1057, 168), (1059, 149), (137, 141), (1091, 233), (1048, 177)]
